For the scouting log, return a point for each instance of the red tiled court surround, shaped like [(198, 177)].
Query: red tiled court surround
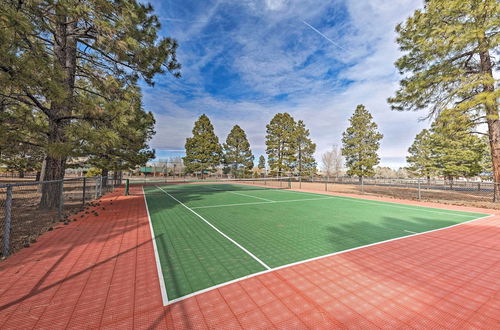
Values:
[(100, 272)]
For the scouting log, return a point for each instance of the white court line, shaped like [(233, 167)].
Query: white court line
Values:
[(161, 278), (233, 192), (358, 200), (316, 258), (409, 231), (217, 230), (163, 289), (259, 203)]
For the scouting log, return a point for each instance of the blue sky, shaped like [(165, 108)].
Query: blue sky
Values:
[(244, 61)]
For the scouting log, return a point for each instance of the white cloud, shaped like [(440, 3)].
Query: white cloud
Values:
[(275, 4), (274, 53)]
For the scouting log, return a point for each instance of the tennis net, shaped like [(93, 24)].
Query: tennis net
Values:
[(211, 185)]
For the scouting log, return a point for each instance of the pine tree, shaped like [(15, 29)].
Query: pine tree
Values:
[(361, 142), (449, 57), (237, 154), (281, 144), (118, 144), (203, 150), (420, 156), (262, 162), (455, 150), (306, 164), (56, 56)]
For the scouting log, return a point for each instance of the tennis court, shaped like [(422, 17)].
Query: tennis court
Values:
[(209, 234)]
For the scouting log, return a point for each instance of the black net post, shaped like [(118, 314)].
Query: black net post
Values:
[(7, 222), (419, 193)]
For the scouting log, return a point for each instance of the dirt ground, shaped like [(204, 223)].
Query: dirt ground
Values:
[(28, 221)]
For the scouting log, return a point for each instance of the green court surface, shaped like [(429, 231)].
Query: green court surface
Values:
[(208, 234)]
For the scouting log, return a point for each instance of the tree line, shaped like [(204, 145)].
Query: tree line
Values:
[(289, 148), (450, 148), (69, 73)]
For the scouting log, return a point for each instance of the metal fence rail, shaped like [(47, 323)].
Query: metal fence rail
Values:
[(24, 215)]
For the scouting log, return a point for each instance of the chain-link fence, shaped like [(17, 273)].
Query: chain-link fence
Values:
[(28, 209), (473, 193)]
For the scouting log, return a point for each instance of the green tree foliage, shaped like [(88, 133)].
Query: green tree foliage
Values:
[(455, 151), (20, 140), (60, 58), (93, 171), (361, 142), (21, 158), (262, 162), (420, 159), (448, 63), (237, 154), (486, 164), (281, 144), (119, 140), (203, 150), (306, 164)]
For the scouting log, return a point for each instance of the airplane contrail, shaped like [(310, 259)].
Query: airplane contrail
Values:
[(321, 34), (183, 20)]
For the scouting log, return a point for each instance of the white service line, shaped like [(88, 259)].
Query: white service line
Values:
[(233, 192), (259, 203), (359, 200), (409, 231), (163, 289), (217, 230)]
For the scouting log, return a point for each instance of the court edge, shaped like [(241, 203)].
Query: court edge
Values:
[(164, 294), (163, 289)]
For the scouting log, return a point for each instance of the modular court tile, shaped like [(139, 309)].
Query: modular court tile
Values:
[(100, 272), (212, 233)]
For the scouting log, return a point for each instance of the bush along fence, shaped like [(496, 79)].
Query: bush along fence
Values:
[(28, 209)]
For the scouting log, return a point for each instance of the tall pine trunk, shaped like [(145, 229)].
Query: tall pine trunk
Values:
[(494, 135), (51, 191), (493, 122), (55, 166), (60, 109)]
